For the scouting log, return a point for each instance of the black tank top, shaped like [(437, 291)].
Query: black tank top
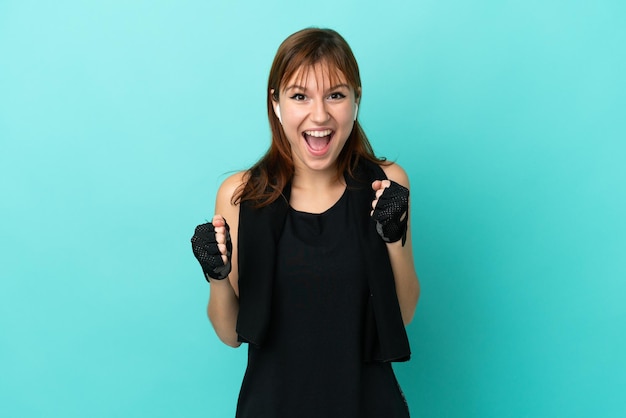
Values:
[(311, 365)]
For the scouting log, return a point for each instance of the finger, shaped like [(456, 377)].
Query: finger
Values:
[(218, 220), (220, 238), (223, 250), (380, 184), (374, 203)]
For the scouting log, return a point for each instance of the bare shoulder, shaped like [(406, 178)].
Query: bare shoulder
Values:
[(396, 173), (224, 204), (228, 188)]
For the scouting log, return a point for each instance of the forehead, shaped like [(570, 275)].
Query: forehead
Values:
[(321, 74)]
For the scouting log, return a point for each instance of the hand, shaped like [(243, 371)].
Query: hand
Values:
[(391, 210), (212, 247)]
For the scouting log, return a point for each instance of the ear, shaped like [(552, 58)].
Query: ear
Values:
[(276, 107)]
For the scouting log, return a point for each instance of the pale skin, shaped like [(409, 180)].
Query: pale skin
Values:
[(308, 106)]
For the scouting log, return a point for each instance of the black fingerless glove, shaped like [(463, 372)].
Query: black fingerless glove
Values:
[(392, 213), (204, 246)]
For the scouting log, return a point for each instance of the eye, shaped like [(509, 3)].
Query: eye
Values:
[(336, 96), (298, 97)]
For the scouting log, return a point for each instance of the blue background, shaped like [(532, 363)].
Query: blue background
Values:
[(119, 119)]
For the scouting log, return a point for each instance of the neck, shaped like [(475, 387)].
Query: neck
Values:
[(316, 191), (313, 179)]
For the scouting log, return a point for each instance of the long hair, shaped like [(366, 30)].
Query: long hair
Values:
[(265, 180)]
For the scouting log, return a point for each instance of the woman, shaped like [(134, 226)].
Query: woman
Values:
[(309, 254)]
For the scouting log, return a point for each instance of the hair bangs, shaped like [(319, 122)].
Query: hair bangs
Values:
[(328, 77), (338, 65)]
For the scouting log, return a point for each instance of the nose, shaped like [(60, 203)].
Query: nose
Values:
[(319, 112)]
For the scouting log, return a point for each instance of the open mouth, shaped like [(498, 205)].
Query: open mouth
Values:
[(318, 140)]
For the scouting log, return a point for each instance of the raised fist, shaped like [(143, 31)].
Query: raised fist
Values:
[(212, 247), (391, 210)]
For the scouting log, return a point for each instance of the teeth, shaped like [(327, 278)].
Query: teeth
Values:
[(318, 134)]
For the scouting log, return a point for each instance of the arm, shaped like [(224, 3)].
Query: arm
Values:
[(401, 257), (223, 306)]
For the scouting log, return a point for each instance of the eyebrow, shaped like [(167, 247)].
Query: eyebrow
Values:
[(335, 87)]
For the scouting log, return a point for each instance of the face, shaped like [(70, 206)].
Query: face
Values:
[(317, 117)]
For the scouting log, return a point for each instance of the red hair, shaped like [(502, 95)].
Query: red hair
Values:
[(265, 180)]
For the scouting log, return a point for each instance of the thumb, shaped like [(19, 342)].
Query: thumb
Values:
[(377, 185), (218, 220)]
